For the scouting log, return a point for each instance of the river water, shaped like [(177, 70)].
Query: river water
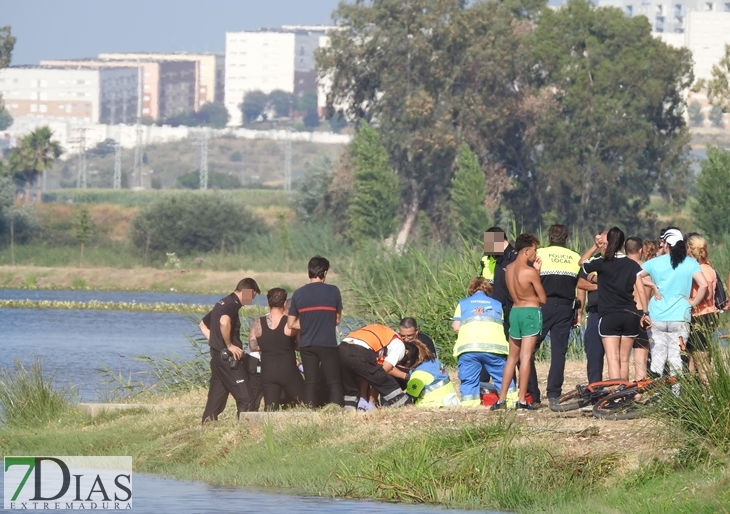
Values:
[(153, 495), (75, 344)]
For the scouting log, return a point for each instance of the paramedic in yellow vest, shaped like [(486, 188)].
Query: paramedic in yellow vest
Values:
[(428, 381), (559, 276), (481, 343), (371, 353)]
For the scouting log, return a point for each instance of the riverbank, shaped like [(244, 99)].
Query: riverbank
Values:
[(144, 279), (536, 461)]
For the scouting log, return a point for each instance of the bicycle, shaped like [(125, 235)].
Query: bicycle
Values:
[(634, 401), (584, 395)]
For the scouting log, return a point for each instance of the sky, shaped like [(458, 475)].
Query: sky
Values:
[(69, 29)]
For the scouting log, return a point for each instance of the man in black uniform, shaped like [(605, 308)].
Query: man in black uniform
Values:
[(592, 339), (559, 276), (223, 331)]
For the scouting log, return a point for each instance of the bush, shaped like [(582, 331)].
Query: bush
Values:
[(190, 223)]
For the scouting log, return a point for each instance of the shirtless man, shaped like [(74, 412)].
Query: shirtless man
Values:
[(525, 318)]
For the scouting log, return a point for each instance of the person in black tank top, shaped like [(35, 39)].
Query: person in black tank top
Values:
[(277, 344)]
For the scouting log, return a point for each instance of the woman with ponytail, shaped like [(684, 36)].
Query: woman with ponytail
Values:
[(620, 320), (705, 317), (673, 273)]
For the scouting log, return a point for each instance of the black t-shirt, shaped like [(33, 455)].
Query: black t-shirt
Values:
[(499, 287), (317, 305), (616, 283), (426, 339), (230, 306)]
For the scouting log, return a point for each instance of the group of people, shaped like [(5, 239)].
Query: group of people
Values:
[(652, 298)]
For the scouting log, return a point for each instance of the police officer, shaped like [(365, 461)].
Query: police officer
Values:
[(223, 331), (559, 276)]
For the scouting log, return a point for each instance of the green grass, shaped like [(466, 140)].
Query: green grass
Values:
[(28, 399), (112, 255)]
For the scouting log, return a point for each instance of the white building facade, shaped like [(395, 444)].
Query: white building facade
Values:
[(267, 60), (87, 95)]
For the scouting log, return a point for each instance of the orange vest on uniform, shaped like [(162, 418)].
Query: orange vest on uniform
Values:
[(376, 337)]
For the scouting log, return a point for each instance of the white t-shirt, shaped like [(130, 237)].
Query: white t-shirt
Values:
[(396, 349)]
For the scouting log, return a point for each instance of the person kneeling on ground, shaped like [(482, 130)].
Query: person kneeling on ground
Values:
[(429, 383), (370, 355), (408, 331), (481, 343)]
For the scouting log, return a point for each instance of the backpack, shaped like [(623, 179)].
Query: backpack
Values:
[(720, 296)]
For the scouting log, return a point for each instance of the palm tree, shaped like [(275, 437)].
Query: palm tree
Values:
[(37, 152)]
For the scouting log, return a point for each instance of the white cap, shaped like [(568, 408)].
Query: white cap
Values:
[(672, 236)]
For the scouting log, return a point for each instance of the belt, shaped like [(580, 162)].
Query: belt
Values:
[(491, 319), (559, 301), (435, 385)]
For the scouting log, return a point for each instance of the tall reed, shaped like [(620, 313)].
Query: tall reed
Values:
[(702, 408), (28, 399)]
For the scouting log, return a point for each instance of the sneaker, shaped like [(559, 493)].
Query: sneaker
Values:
[(498, 406), (527, 406)]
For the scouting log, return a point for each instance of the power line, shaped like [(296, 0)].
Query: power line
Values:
[(138, 180), (82, 174), (202, 146), (287, 162)]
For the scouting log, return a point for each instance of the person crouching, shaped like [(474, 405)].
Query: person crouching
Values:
[(367, 356), (428, 383), (481, 342)]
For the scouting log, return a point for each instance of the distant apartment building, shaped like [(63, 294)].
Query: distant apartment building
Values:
[(209, 70), (270, 59), (167, 87), (700, 25), (88, 95)]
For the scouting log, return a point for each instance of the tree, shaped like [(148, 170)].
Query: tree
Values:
[(7, 43), (613, 119), (468, 194), (37, 152), (214, 115), (192, 222), (281, 102), (83, 227), (253, 106), (307, 102), (310, 191), (712, 190), (696, 116), (374, 205), (716, 116), (718, 87), (6, 120)]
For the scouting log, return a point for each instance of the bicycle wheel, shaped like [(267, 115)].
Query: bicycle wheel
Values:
[(620, 405), (570, 401)]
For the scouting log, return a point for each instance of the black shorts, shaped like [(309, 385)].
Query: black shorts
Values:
[(619, 324), (642, 340), (700, 332)]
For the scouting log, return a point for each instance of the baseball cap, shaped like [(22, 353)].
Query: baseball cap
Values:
[(672, 236)]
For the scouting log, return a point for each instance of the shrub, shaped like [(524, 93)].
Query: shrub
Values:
[(192, 223)]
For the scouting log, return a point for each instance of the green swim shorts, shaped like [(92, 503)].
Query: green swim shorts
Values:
[(525, 322)]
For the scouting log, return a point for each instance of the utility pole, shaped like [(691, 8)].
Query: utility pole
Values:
[(243, 168), (202, 154), (113, 108), (117, 165), (81, 176), (138, 157), (287, 161)]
